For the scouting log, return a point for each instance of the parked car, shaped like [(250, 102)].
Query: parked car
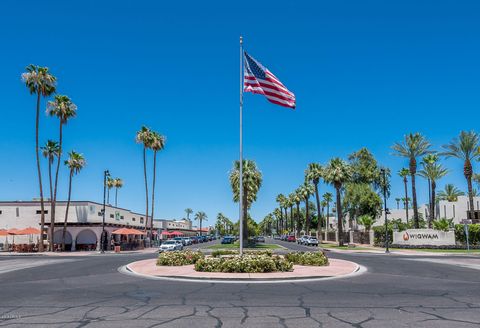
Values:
[(227, 240), (276, 237), (311, 241), (194, 240), (260, 239), (291, 238), (170, 245), (302, 239), (180, 239), (188, 240)]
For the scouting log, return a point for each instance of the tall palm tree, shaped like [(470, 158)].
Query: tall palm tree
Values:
[(280, 199), (291, 203), (337, 173), (157, 144), (200, 217), (465, 148), (298, 199), (278, 214), (404, 173), (144, 137), (252, 181), (50, 151), (64, 109), (433, 171), (413, 146), (75, 163), (110, 185), (117, 183), (450, 193), (39, 81), (188, 211), (306, 190), (313, 174), (327, 198)]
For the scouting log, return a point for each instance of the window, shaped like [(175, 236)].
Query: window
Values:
[(0, 212), (112, 216), (133, 219), (141, 220), (121, 217), (453, 210), (17, 212), (40, 211), (99, 213)]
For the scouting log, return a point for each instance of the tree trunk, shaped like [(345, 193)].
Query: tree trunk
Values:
[(326, 220), (153, 191), (108, 194), (468, 172), (413, 171), (406, 197), (39, 172), (54, 199), (307, 218), (66, 210), (432, 207), (340, 217), (292, 225), (146, 184), (116, 194), (51, 205), (317, 197), (245, 217), (200, 226), (299, 225)]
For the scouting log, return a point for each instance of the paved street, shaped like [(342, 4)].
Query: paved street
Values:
[(397, 291)]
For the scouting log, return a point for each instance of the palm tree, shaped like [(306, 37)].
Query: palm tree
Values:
[(157, 144), (404, 173), (200, 217), (110, 185), (64, 109), (450, 193), (144, 137), (39, 81), (291, 203), (337, 173), (117, 183), (306, 190), (433, 171), (466, 148), (313, 174), (327, 198), (278, 214), (188, 211), (413, 146), (281, 202), (252, 181), (50, 151), (75, 163)]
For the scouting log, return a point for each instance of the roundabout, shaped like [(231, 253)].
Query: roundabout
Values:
[(336, 269)]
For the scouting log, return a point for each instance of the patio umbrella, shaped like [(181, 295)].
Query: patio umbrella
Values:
[(166, 233), (3, 232), (28, 231), (127, 231), (177, 233)]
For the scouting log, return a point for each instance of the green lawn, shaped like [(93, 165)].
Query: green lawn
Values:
[(344, 247), (235, 246), (436, 250)]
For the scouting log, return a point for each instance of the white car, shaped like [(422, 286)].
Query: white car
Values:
[(311, 241), (302, 239), (187, 240), (171, 245)]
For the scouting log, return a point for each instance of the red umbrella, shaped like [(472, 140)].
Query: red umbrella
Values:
[(166, 233), (127, 231), (177, 233), (3, 232), (28, 231)]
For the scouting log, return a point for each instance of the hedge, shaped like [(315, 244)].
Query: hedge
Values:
[(178, 258), (307, 258), (473, 234), (246, 263)]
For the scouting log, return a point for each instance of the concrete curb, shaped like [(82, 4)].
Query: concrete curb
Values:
[(128, 271)]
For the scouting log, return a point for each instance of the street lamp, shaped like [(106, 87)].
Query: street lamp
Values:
[(385, 207), (106, 174)]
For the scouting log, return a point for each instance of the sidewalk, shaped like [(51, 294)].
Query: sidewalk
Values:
[(81, 253)]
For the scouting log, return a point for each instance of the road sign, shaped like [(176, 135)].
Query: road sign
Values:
[(466, 221)]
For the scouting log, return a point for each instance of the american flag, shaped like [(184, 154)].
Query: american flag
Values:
[(258, 79)]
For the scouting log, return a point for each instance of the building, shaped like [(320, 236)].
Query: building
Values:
[(84, 223)]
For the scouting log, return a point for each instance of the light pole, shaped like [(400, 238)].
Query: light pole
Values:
[(102, 240), (385, 207)]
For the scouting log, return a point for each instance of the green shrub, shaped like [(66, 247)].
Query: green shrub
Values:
[(379, 235), (473, 234), (178, 258), (307, 258), (442, 224), (221, 252), (247, 263)]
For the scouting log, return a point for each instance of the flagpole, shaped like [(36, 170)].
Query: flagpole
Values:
[(241, 148)]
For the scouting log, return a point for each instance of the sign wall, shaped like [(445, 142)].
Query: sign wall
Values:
[(424, 237)]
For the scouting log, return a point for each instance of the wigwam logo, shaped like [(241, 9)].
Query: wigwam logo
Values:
[(430, 236)]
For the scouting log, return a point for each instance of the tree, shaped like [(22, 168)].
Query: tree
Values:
[(413, 146), (50, 151), (40, 82), (297, 199), (252, 181), (327, 198), (313, 174), (278, 214), (337, 173), (367, 221), (144, 137), (157, 144), (306, 190), (75, 163), (433, 171), (200, 217), (291, 203), (188, 211), (450, 193), (465, 148), (360, 199), (110, 185), (404, 173), (117, 183), (281, 204)]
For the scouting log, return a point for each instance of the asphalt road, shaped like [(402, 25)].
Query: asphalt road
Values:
[(396, 291)]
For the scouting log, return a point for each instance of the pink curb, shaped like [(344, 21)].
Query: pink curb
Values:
[(149, 268)]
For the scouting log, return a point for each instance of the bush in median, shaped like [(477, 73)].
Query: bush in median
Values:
[(307, 258), (247, 263), (220, 252), (178, 258)]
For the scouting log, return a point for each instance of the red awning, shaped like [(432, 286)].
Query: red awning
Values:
[(176, 233), (3, 232), (166, 233), (127, 231), (28, 231)]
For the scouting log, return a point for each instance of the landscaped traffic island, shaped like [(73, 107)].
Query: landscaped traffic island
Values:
[(228, 265)]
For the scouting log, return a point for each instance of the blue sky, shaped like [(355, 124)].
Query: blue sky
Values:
[(364, 74)]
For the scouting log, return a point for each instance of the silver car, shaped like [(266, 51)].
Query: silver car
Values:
[(311, 241), (171, 245)]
